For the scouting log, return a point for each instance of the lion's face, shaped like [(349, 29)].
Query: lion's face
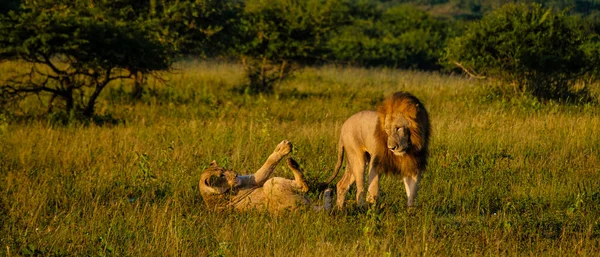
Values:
[(218, 179), (398, 134)]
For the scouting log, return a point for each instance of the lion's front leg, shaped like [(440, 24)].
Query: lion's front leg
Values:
[(262, 175), (411, 183)]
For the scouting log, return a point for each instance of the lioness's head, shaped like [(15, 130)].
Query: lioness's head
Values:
[(217, 180), (398, 119)]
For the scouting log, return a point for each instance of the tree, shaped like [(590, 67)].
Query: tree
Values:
[(401, 36), (73, 51), (538, 51), (191, 27), (9, 5), (276, 35)]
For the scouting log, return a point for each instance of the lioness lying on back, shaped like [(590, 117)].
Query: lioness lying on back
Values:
[(221, 188)]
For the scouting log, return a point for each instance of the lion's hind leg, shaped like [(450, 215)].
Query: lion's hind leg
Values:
[(298, 175), (343, 186), (373, 189)]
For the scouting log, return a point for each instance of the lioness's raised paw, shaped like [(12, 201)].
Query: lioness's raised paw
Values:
[(283, 148)]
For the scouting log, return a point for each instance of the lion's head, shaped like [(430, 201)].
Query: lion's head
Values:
[(215, 181), (403, 129)]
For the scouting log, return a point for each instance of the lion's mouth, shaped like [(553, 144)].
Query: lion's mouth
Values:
[(398, 151)]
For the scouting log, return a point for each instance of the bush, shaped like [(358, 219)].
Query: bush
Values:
[(402, 36), (538, 51), (274, 36)]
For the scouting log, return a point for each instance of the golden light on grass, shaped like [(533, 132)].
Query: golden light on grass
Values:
[(507, 176)]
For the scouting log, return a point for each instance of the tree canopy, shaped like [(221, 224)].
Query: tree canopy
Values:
[(538, 50), (74, 49), (275, 35)]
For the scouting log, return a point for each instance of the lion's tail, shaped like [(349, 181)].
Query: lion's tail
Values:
[(336, 170)]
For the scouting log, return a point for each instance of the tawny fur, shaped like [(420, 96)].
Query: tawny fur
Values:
[(223, 189), (411, 109), (392, 140)]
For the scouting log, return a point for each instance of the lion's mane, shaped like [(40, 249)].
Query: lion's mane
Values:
[(415, 159)]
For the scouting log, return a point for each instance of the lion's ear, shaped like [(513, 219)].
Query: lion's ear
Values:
[(214, 163)]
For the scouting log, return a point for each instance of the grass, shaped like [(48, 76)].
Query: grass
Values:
[(507, 176)]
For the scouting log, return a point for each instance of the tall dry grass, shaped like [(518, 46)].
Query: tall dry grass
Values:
[(507, 175)]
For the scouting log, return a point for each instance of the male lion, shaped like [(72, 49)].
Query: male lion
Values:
[(221, 188), (393, 139)]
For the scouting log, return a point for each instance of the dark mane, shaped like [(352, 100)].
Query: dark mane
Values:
[(415, 158)]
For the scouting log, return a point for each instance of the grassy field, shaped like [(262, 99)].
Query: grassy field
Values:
[(507, 176)]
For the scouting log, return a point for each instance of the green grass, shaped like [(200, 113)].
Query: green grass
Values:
[(507, 176)]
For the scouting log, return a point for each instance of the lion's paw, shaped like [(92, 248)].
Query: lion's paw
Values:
[(283, 148)]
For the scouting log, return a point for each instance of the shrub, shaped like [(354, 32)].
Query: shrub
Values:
[(274, 36), (538, 51), (403, 36)]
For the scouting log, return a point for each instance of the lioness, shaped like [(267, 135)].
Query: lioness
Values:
[(394, 139), (221, 188)]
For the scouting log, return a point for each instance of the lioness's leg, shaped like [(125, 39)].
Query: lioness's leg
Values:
[(281, 193), (282, 149), (411, 183), (327, 199), (298, 176), (373, 191)]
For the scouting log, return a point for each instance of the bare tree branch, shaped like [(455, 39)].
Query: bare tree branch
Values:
[(471, 74), (52, 66)]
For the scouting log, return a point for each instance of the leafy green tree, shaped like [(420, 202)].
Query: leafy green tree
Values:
[(73, 51), (401, 36), (275, 36), (536, 50), (192, 27)]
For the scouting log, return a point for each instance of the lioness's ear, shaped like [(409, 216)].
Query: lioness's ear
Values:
[(214, 163)]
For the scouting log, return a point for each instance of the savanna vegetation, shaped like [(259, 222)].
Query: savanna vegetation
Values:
[(110, 110), (75, 49), (507, 175)]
